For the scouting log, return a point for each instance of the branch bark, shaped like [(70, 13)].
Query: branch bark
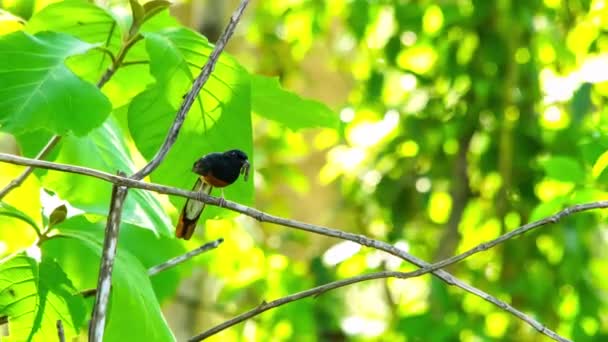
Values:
[(104, 283), (179, 259), (360, 239)]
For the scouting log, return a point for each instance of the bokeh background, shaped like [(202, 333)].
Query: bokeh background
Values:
[(459, 121)]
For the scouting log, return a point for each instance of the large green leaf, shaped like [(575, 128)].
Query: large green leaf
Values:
[(134, 313), (219, 119), (99, 26), (273, 102), (38, 90), (105, 149), (81, 19), (35, 296)]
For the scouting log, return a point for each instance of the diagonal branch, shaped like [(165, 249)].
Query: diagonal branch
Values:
[(360, 239), (179, 259), (315, 291), (200, 80), (21, 178), (104, 283), (154, 270)]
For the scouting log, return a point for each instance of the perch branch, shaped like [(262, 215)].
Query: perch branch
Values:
[(200, 80), (360, 239), (104, 283)]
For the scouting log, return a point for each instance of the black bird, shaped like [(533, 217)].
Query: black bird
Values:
[(216, 170)]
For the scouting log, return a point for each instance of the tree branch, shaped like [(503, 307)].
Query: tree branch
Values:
[(19, 180), (154, 270), (360, 239), (315, 291), (104, 283), (200, 80), (179, 259), (60, 332)]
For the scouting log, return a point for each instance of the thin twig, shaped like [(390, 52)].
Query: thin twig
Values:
[(179, 259), (117, 62), (104, 283), (154, 270), (264, 217), (19, 180), (200, 80), (315, 291), (138, 62), (60, 331)]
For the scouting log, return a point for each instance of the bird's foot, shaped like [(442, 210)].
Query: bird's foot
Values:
[(221, 202)]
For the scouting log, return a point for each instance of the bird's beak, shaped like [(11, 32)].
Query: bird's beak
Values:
[(245, 170), (198, 167)]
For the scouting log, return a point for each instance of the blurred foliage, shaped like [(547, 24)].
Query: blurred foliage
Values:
[(459, 121), (464, 120)]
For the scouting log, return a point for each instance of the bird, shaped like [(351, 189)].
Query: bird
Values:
[(217, 169)]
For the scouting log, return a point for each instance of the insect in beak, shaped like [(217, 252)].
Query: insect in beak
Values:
[(245, 170)]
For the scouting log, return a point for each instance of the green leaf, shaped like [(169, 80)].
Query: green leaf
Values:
[(100, 26), (35, 296), (81, 19), (581, 102), (137, 12), (563, 169), (154, 7), (273, 102), (39, 91), (78, 249), (58, 215), (105, 149), (218, 120)]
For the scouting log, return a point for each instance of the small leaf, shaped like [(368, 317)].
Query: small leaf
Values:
[(563, 169), (154, 7), (273, 102), (138, 12), (38, 90), (58, 215), (580, 104), (35, 296)]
